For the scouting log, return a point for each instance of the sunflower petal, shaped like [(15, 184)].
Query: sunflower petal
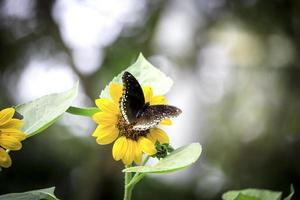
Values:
[(130, 153), (157, 134), (6, 115), (19, 135), (105, 119), (138, 154), (106, 105), (166, 122), (106, 134), (5, 160), (99, 130), (13, 123), (153, 140), (148, 93), (158, 100), (119, 148), (10, 143), (146, 146), (115, 91)]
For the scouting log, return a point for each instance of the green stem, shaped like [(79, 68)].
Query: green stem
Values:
[(87, 112), (138, 176), (130, 181), (127, 189)]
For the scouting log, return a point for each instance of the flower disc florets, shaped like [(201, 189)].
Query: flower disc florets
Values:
[(128, 131)]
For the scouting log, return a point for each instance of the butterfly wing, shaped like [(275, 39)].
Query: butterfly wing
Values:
[(132, 100), (152, 115)]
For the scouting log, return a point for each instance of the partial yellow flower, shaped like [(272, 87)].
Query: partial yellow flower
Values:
[(5, 160), (109, 129), (10, 135)]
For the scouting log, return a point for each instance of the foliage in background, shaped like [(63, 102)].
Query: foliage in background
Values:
[(256, 194), (42, 194)]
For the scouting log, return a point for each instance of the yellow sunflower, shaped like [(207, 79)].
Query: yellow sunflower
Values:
[(10, 135), (108, 130)]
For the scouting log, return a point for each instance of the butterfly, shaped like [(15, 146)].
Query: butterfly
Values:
[(138, 113)]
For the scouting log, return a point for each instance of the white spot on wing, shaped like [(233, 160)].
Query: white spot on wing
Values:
[(122, 104)]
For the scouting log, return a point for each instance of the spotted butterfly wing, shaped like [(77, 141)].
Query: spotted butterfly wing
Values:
[(132, 100), (136, 111), (152, 115)]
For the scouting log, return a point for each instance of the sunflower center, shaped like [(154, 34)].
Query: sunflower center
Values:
[(127, 130)]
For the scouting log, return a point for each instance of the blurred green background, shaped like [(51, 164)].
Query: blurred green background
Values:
[(236, 68)]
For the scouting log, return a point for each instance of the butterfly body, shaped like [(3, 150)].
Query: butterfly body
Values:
[(138, 116)]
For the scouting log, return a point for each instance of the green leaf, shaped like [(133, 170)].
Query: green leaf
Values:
[(43, 112), (251, 194), (88, 112), (47, 193), (177, 160), (147, 75), (246, 197)]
